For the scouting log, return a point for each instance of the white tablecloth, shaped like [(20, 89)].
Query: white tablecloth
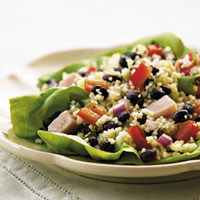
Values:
[(23, 179)]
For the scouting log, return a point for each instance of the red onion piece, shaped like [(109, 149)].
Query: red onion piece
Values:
[(165, 140), (118, 109), (132, 69), (126, 102)]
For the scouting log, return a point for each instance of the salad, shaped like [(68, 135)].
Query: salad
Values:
[(134, 105)]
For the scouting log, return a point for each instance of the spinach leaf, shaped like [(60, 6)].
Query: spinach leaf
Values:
[(28, 112)]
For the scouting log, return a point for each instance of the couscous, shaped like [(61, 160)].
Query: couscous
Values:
[(141, 100)]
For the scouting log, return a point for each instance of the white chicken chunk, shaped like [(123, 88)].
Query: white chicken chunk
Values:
[(68, 81), (165, 107), (64, 123)]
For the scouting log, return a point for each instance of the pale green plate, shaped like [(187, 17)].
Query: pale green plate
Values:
[(24, 81)]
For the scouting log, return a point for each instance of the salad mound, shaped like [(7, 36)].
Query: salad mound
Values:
[(134, 105)]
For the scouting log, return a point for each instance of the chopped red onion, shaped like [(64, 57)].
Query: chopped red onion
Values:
[(126, 102), (132, 69), (118, 109), (165, 140)]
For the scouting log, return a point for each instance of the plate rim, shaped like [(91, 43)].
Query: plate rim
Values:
[(125, 171), (108, 170)]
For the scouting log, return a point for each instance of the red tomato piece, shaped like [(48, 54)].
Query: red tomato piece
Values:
[(154, 49), (186, 70), (92, 69), (140, 75), (100, 110), (91, 113), (186, 130), (88, 115), (138, 136), (90, 83)]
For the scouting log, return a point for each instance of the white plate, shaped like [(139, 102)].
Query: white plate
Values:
[(24, 81)]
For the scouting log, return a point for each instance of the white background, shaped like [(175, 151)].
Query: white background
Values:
[(29, 29)]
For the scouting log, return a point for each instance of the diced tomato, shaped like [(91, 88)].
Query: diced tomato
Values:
[(154, 49), (100, 110), (88, 115), (91, 113), (186, 70), (138, 136), (92, 69), (186, 130), (141, 74), (90, 83)]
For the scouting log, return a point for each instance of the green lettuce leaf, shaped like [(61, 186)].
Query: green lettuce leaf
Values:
[(164, 39), (128, 159), (186, 83), (28, 112), (182, 157), (74, 145)]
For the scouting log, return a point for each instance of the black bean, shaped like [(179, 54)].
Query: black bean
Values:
[(103, 91), (132, 55), (148, 156), (97, 147), (107, 146), (180, 116), (149, 133), (109, 125), (123, 116), (52, 83), (127, 53), (156, 94), (197, 119), (123, 62), (166, 90), (116, 78), (135, 98), (189, 107), (146, 82), (107, 77), (86, 129), (168, 150), (95, 88), (159, 133), (110, 78), (143, 119), (93, 141), (118, 69), (47, 122), (83, 74), (154, 70)]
